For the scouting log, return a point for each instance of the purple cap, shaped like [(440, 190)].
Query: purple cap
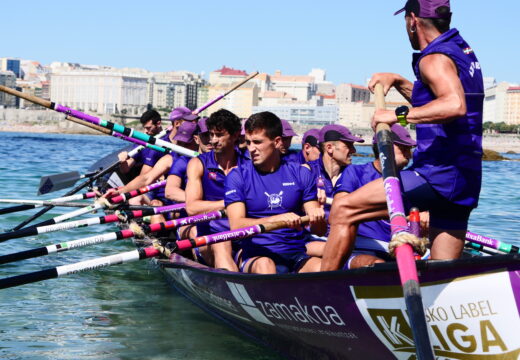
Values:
[(426, 8), (202, 125), (399, 136), (182, 113), (337, 132), (287, 129), (311, 137), (185, 131)]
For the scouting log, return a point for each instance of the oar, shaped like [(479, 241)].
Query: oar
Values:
[(229, 235), (128, 215), (39, 203), (492, 243), (93, 264), (399, 228), (117, 235), (97, 205), (90, 181), (55, 182)]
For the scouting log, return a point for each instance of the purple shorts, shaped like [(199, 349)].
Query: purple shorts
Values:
[(417, 192), (285, 263)]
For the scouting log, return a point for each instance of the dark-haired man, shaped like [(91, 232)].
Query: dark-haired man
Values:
[(205, 188), (445, 177), (268, 189), (287, 136)]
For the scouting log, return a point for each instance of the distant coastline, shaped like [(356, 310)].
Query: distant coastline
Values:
[(43, 121)]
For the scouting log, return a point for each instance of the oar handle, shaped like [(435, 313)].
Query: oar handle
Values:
[(31, 98), (380, 103), (282, 224)]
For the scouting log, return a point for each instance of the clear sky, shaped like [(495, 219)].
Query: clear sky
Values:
[(349, 39)]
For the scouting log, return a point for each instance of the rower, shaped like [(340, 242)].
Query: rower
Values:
[(268, 189), (205, 186), (287, 135), (310, 148), (336, 146), (446, 174), (177, 177), (149, 156), (151, 122), (184, 138), (372, 238)]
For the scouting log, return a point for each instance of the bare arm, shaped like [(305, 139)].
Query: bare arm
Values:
[(161, 167), (402, 85), (438, 72), (173, 189), (316, 214), (194, 203)]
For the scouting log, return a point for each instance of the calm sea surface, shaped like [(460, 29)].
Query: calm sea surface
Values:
[(129, 311)]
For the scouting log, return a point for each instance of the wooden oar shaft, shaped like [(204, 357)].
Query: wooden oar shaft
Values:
[(25, 96), (233, 234), (399, 226), (90, 125)]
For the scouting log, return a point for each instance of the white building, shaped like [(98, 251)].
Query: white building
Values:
[(303, 114), (101, 91)]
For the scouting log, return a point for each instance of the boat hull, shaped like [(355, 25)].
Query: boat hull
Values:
[(471, 308)]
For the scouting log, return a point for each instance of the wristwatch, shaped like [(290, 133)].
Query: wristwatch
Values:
[(402, 112)]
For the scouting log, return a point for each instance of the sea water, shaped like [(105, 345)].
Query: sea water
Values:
[(129, 311)]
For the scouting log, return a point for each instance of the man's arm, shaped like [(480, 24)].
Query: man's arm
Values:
[(194, 192), (126, 163), (317, 222), (439, 72), (173, 189), (402, 85), (160, 168)]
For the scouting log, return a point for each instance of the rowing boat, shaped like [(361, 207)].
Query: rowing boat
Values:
[(471, 305)]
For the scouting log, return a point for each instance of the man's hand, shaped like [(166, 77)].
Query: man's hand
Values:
[(291, 219), (316, 215), (122, 156), (111, 193), (385, 117), (386, 79)]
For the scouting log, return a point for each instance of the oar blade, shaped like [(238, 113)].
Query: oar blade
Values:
[(57, 182)]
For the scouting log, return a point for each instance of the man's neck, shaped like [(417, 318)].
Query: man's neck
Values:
[(271, 164), (332, 168), (377, 165), (227, 158)]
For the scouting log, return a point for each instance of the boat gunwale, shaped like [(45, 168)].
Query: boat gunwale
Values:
[(506, 260)]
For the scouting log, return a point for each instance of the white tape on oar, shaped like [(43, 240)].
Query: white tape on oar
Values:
[(93, 240), (68, 225), (78, 212), (97, 263)]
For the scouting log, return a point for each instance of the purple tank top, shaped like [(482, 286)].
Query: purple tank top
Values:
[(449, 155)]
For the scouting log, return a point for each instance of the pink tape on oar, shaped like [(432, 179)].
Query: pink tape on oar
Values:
[(406, 263)]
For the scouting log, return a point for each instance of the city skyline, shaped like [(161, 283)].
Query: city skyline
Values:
[(200, 37)]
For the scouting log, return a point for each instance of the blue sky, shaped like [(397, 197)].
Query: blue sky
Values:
[(349, 39)]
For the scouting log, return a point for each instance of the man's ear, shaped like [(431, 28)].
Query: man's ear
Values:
[(329, 148), (278, 142)]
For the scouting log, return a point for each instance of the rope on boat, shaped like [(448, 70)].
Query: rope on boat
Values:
[(105, 203), (121, 216), (418, 244), (165, 250), (137, 230)]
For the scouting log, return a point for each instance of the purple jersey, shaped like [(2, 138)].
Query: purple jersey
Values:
[(322, 181), (294, 156), (449, 156), (213, 179), (351, 179), (159, 193), (178, 168), (267, 194), (149, 156)]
